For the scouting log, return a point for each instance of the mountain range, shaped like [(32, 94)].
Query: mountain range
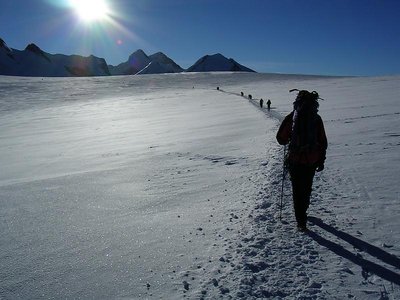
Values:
[(33, 61)]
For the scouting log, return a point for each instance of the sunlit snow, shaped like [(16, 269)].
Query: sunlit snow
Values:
[(162, 186)]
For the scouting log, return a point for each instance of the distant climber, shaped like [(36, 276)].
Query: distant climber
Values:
[(261, 102), (269, 104), (241, 94), (304, 131), (250, 97)]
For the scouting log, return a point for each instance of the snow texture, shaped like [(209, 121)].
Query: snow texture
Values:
[(165, 187)]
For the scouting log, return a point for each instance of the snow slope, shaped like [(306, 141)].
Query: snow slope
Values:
[(161, 186)]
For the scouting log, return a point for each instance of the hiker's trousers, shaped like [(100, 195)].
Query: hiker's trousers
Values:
[(302, 180)]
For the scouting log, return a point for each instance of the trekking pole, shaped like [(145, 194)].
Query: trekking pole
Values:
[(283, 181)]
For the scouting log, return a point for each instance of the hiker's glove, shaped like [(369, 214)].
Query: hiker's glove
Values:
[(320, 168)]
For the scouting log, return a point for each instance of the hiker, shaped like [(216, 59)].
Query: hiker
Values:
[(241, 94), (269, 104), (304, 131), (217, 88), (250, 96), (261, 102)]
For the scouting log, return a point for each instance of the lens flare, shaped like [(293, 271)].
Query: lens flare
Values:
[(90, 10), (96, 26)]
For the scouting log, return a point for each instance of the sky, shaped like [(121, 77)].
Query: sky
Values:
[(327, 37)]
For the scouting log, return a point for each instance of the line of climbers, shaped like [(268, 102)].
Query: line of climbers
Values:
[(250, 97)]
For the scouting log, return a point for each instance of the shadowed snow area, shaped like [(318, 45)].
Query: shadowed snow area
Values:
[(163, 187)]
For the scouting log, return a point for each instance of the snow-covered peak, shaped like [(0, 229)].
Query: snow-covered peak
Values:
[(4, 46), (217, 62), (159, 56), (33, 61), (217, 56), (139, 55), (7, 58), (135, 63), (34, 48), (163, 59), (140, 63)]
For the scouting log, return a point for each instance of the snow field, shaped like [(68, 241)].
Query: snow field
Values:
[(162, 187)]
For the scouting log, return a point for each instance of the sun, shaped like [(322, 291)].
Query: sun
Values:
[(90, 10)]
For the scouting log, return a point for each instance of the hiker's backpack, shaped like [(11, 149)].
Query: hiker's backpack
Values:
[(304, 126)]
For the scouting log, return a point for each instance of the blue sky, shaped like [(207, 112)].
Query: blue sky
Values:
[(331, 37)]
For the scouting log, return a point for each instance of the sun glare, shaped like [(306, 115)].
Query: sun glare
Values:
[(90, 10)]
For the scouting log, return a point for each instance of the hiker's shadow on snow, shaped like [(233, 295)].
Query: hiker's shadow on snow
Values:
[(366, 265)]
